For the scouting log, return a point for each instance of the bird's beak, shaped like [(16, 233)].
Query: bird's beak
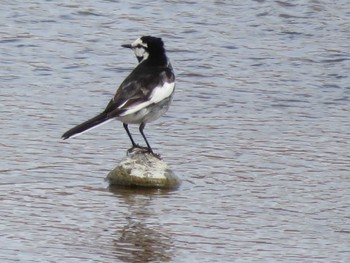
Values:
[(127, 46)]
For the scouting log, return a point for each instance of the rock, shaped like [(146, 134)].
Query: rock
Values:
[(142, 169)]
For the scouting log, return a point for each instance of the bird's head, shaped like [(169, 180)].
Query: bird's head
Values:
[(146, 45)]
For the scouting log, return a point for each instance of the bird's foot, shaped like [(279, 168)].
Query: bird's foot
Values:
[(156, 155), (140, 149), (137, 148)]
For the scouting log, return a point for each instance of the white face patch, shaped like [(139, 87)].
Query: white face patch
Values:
[(138, 42), (140, 49)]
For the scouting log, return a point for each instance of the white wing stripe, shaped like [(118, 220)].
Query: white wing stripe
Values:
[(163, 92), (136, 108), (158, 94)]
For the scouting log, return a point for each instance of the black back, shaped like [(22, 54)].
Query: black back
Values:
[(150, 73)]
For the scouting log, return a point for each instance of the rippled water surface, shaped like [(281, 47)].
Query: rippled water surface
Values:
[(259, 132)]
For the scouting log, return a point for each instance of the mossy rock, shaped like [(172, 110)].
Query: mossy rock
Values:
[(141, 169)]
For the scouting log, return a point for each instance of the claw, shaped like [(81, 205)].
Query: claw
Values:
[(137, 147), (156, 155), (140, 149)]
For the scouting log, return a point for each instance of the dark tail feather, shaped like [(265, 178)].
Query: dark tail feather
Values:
[(85, 126)]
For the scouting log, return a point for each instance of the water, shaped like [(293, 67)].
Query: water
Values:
[(259, 132)]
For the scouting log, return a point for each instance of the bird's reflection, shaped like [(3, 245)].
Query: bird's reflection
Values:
[(139, 240)]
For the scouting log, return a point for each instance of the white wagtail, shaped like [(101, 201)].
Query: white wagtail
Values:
[(144, 96)]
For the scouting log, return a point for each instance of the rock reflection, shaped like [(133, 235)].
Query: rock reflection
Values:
[(141, 240)]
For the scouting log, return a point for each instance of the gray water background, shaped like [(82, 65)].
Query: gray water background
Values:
[(259, 132)]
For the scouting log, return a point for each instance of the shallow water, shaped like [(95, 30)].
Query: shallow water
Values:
[(259, 132)]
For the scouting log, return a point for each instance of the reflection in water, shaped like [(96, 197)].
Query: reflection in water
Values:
[(138, 240)]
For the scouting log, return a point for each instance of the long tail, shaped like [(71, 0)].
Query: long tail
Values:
[(86, 126)]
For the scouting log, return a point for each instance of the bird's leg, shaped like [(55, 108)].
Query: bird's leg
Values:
[(142, 126), (129, 134), (134, 145)]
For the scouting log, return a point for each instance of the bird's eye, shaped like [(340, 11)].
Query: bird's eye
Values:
[(139, 46)]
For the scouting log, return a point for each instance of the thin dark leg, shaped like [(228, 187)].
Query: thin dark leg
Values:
[(142, 126), (129, 134)]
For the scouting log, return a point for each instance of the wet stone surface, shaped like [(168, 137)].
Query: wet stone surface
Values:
[(142, 169)]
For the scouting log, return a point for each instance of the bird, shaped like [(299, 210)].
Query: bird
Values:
[(144, 96)]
